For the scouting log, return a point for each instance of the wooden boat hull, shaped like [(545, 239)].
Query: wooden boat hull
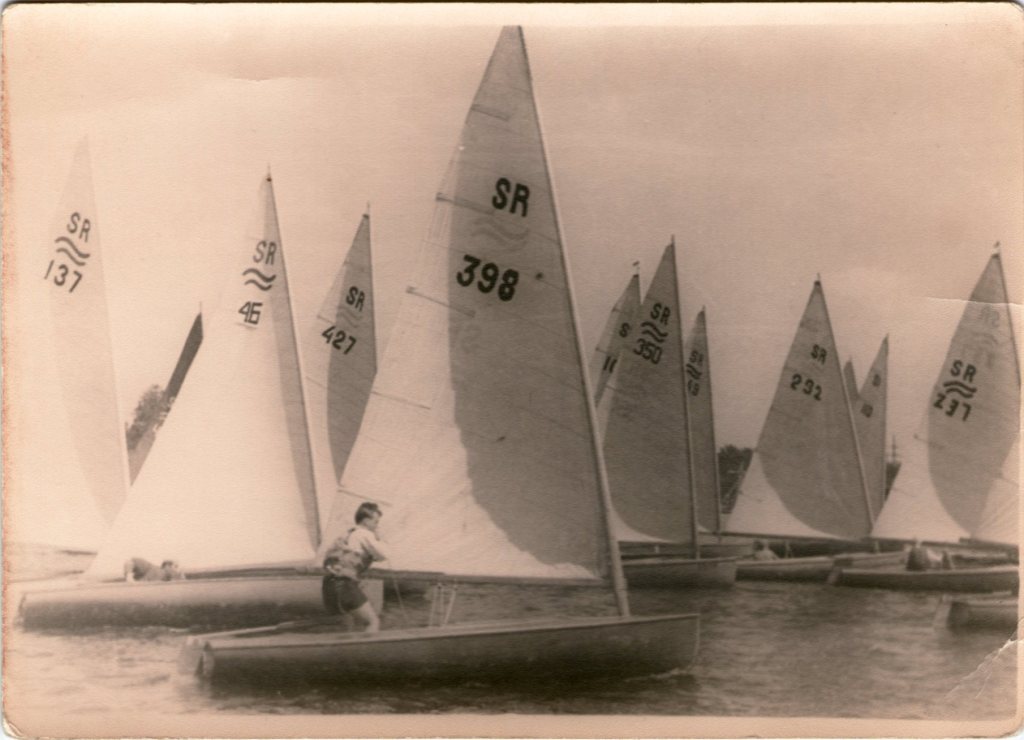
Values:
[(994, 578), (815, 568), (987, 612), (870, 559), (494, 651), (238, 601), (667, 572), (710, 546)]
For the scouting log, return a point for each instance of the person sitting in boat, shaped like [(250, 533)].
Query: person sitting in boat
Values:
[(346, 561), (140, 569), (921, 558), (763, 552)]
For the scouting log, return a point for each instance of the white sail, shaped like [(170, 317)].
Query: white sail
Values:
[(645, 442), (229, 481), (869, 407), (700, 411), (340, 361), (477, 439), (614, 337), (959, 476), (805, 477), (79, 488)]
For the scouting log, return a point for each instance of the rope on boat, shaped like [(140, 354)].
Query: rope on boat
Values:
[(442, 604)]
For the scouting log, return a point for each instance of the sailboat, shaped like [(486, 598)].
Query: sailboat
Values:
[(80, 480), (979, 612), (341, 363), (647, 445), (700, 414), (805, 479), (614, 339), (229, 489), (869, 407), (479, 439), (959, 479)]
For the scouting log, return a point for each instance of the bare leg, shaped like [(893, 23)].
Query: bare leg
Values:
[(367, 616)]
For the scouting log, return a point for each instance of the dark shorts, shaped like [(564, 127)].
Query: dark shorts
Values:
[(342, 595)]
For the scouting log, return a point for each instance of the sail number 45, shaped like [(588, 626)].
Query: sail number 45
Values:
[(337, 337), (490, 274)]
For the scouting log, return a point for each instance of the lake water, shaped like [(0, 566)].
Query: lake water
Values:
[(767, 650)]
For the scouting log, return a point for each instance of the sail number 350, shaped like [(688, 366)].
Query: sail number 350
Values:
[(491, 276)]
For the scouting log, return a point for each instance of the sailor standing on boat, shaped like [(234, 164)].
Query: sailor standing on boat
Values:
[(346, 562)]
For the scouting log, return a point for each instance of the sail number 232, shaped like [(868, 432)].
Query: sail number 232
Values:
[(490, 276), (799, 383)]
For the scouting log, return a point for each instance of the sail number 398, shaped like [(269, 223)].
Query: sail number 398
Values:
[(491, 276)]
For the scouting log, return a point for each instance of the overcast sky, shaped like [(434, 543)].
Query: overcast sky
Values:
[(877, 146)]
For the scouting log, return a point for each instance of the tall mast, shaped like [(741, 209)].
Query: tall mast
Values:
[(618, 578)]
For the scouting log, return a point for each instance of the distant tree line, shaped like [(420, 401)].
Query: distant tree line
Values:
[(149, 414)]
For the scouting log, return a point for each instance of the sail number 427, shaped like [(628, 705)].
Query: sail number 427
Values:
[(491, 276), (338, 337)]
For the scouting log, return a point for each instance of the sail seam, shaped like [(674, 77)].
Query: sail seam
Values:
[(412, 290)]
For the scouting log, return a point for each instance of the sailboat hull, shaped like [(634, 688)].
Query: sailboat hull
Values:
[(995, 578), (991, 611), (666, 572), (710, 546), (493, 651), (815, 568), (226, 602)]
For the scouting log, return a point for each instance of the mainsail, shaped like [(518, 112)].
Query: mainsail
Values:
[(615, 337), (78, 302), (702, 425), (869, 414), (71, 502), (477, 439), (229, 481), (645, 443), (340, 361), (805, 477), (959, 476)]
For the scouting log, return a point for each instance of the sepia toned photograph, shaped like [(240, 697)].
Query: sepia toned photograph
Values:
[(512, 371)]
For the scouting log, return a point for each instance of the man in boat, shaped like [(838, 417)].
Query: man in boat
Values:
[(921, 558), (140, 569), (763, 552), (346, 562)]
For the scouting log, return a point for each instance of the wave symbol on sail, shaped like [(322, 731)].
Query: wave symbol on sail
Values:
[(693, 372), (649, 329), (261, 281), (960, 388), (79, 257)]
